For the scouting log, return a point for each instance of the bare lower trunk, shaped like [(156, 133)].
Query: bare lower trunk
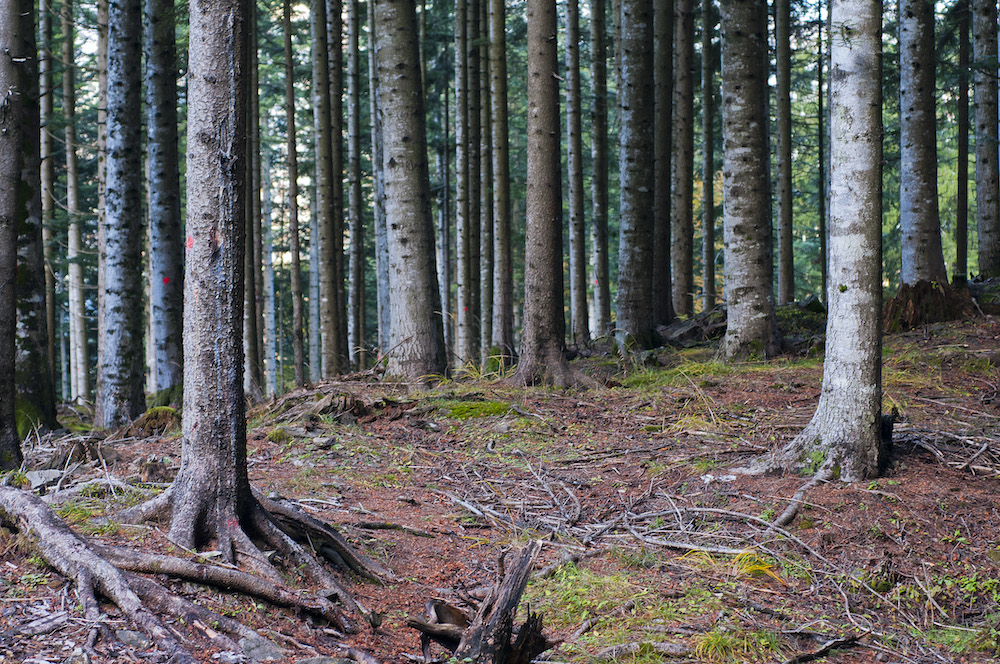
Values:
[(46, 155), (599, 183), (580, 326), (503, 271), (270, 325), (984, 46), (378, 185), (322, 135), (293, 205), (356, 273), (682, 164), (786, 259), (961, 271), (663, 74), (463, 223), (708, 63), (487, 253)]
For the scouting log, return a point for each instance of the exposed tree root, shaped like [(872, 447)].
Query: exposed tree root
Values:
[(926, 302)]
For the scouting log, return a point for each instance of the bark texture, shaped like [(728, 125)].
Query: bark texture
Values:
[(329, 326), (165, 229), (11, 158), (750, 331), (580, 326), (121, 372), (355, 265), (708, 62), (984, 48), (920, 223), (663, 75), (417, 343), (503, 269), (783, 58), (682, 164), (843, 434), (601, 323), (635, 153)]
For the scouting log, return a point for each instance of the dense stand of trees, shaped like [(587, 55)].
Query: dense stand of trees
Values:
[(357, 250)]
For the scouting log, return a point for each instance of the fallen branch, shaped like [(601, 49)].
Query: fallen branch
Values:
[(666, 649), (824, 650)]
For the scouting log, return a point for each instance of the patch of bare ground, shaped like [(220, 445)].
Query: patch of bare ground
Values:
[(652, 549)]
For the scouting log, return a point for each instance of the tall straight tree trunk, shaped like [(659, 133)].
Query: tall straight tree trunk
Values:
[(463, 222), (487, 254), (325, 206), (315, 345), (961, 272), (580, 330), (750, 330), (444, 224), (102, 188), (503, 269), (984, 80), (121, 367), (46, 94), (254, 186), (378, 186), (293, 196), (682, 164), (78, 356), (334, 39), (13, 62), (543, 340), (356, 273), (475, 174), (635, 141), (920, 223), (253, 379), (165, 229), (417, 343), (270, 325), (708, 155), (599, 180), (821, 179), (844, 431), (663, 76), (783, 58)]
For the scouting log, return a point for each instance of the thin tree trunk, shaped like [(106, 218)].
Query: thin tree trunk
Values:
[(682, 164), (121, 368), (356, 275), (487, 254), (334, 39), (783, 57), (822, 198), (574, 148), (417, 342), (325, 205), (984, 77), (102, 154), (165, 229), (599, 180), (444, 225), (635, 139), (503, 270), (252, 340), (378, 185), (315, 345), (293, 195), (663, 77), (463, 222), (46, 94), (270, 325), (961, 271), (475, 177), (708, 155)]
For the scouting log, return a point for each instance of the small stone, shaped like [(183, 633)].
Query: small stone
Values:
[(323, 660), (78, 657), (261, 650), (137, 640)]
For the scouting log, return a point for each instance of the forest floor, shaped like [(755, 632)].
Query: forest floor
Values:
[(633, 480)]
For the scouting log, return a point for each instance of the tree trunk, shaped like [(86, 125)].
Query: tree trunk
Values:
[(443, 248), (822, 186), (682, 164), (543, 336), (580, 326), (464, 330), (334, 38), (844, 431), (961, 272), (783, 57), (46, 154), (315, 345), (378, 186), (121, 368), (252, 347), (475, 177), (984, 47), (635, 139), (503, 270), (328, 287), (12, 72), (599, 180), (750, 330), (270, 326), (356, 273), (298, 362), (487, 254), (165, 229), (663, 75), (417, 345), (708, 155), (919, 221)]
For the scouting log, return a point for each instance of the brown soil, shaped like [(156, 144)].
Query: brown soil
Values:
[(636, 480)]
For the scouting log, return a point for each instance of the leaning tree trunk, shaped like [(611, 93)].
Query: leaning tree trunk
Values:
[(599, 182), (580, 330), (844, 431), (750, 330), (635, 154), (919, 221), (417, 339), (984, 47), (121, 366), (11, 157), (165, 229), (682, 163)]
